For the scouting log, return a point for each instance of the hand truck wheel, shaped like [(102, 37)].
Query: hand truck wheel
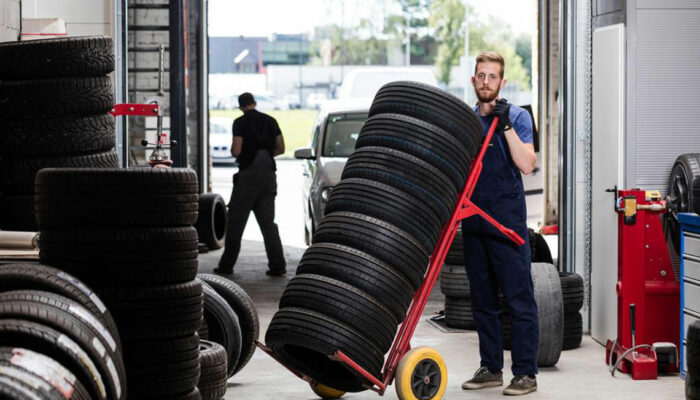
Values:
[(421, 375), (325, 392)]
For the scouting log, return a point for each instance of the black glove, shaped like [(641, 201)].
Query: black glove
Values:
[(502, 111)]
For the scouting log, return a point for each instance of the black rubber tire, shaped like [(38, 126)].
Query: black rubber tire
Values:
[(57, 137), (48, 310), (48, 279), (203, 330), (458, 313), (683, 192), (550, 312), (155, 311), (344, 303), (455, 255), (64, 308), (17, 213), (45, 368), (362, 271), (303, 339), (157, 368), (123, 256), (18, 176), (243, 306), (692, 388), (572, 291), (432, 105), (454, 281), (692, 349), (56, 98), (139, 197), (52, 58), (212, 381), (388, 165), (381, 201), (418, 138), (46, 340), (573, 330), (224, 326), (28, 384), (378, 238), (539, 249), (211, 221)]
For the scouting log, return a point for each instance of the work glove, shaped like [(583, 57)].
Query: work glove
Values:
[(502, 111)]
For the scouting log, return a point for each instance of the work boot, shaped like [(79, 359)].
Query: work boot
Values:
[(521, 384), (483, 378)]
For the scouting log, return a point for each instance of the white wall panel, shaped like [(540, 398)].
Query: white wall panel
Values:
[(83, 17)]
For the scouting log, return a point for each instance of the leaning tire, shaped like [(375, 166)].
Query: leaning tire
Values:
[(211, 221), (550, 311), (56, 98), (539, 249), (224, 327), (52, 58), (693, 349), (212, 381), (245, 310)]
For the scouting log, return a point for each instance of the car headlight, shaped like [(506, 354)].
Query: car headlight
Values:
[(325, 193)]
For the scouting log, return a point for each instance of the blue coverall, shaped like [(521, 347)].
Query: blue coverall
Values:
[(493, 262)]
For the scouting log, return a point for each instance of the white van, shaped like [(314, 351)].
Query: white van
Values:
[(365, 82)]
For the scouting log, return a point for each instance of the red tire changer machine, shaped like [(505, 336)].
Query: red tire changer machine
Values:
[(648, 293)]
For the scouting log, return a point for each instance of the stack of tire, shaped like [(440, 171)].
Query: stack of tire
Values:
[(128, 234), (692, 362), (54, 99), (229, 330), (572, 295), (58, 339), (454, 284), (382, 221)]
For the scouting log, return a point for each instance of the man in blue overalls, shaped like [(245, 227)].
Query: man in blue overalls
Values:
[(493, 262)]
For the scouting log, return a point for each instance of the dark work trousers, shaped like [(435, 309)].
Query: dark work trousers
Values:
[(493, 262), (254, 189)]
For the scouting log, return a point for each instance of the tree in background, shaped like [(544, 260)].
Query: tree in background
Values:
[(423, 44), (523, 48), (447, 19)]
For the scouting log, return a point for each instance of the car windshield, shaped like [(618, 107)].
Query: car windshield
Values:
[(341, 133)]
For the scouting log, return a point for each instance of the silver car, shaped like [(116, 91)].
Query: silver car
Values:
[(332, 141)]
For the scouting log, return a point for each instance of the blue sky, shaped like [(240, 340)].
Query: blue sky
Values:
[(264, 17)]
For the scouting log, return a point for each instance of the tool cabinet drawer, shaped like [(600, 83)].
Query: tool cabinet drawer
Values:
[(691, 267), (691, 244), (691, 297)]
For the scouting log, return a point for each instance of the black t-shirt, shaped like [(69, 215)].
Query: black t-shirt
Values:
[(259, 132)]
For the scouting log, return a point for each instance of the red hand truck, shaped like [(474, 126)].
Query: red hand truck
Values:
[(402, 362)]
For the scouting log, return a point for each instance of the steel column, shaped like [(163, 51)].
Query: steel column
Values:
[(178, 89)]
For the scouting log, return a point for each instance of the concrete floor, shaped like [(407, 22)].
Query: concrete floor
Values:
[(580, 373)]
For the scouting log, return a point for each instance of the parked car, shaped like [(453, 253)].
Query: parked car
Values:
[(316, 100), (365, 82), (292, 100), (332, 141), (220, 139)]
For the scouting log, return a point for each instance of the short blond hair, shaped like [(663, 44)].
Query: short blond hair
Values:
[(490, 56)]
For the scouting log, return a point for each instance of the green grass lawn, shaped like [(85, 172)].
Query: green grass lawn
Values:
[(296, 125)]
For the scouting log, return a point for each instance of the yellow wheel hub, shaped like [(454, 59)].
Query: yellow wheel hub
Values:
[(421, 375), (326, 392)]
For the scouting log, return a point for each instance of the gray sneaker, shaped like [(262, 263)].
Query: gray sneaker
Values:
[(521, 384), (483, 378)]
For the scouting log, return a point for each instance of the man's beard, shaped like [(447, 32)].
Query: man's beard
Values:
[(486, 97)]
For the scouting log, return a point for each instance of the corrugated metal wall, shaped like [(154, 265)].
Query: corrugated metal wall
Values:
[(663, 89)]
